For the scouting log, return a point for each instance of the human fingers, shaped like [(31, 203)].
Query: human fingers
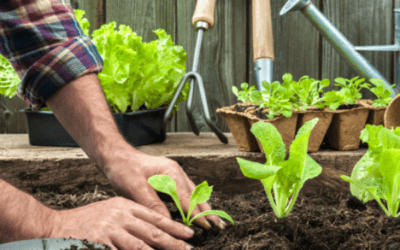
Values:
[(151, 235)]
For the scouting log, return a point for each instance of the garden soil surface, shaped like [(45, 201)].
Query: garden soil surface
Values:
[(320, 220)]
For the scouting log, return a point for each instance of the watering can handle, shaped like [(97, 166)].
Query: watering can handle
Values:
[(263, 42), (204, 12)]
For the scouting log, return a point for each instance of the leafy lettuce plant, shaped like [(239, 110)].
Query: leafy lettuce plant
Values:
[(333, 99), (282, 180), (202, 193), (308, 92), (9, 79), (350, 89), (275, 97), (137, 73), (244, 94), (376, 176), (383, 94)]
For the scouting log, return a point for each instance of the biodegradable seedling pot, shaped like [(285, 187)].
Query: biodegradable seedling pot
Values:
[(139, 128), (345, 130), (392, 114), (240, 127), (285, 126), (318, 133), (376, 114)]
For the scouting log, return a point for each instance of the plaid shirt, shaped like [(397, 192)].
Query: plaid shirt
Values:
[(46, 46)]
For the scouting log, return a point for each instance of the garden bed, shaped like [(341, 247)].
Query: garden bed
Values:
[(321, 219)]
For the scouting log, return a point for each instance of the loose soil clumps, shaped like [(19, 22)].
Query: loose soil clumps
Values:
[(320, 220)]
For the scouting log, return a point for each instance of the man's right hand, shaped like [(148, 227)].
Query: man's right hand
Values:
[(121, 224)]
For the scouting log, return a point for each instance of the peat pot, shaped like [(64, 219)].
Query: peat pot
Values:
[(139, 128)]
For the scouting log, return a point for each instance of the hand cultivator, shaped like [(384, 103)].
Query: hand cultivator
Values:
[(203, 19)]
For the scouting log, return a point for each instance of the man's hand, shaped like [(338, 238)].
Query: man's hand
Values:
[(121, 224), (130, 171)]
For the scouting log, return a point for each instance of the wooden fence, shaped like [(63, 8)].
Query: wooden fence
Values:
[(226, 59)]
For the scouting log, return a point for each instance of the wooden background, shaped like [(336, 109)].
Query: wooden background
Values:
[(226, 59)]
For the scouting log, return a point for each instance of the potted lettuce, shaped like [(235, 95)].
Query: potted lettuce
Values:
[(139, 81)]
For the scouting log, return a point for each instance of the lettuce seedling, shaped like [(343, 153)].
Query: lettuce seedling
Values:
[(383, 94), (333, 99), (275, 97), (202, 193), (308, 92), (282, 180), (376, 176), (244, 94), (351, 88)]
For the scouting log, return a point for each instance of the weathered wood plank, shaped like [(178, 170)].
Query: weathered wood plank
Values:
[(296, 44), (94, 11), (203, 158), (222, 60), (12, 121), (362, 23)]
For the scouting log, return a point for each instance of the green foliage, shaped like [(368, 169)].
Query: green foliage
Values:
[(308, 92), (377, 174), (275, 97), (9, 79), (333, 99), (202, 193), (282, 180), (244, 94), (350, 89), (83, 22), (383, 94), (137, 73)]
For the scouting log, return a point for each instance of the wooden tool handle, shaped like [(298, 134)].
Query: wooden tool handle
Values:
[(263, 42), (204, 12)]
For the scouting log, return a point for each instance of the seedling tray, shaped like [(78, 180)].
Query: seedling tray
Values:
[(139, 128)]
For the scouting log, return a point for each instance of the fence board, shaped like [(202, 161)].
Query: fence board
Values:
[(94, 11), (12, 121), (362, 23)]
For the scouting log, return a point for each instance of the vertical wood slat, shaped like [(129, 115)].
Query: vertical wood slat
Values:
[(94, 11), (362, 23)]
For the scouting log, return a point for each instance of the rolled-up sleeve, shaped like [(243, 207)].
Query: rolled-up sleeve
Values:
[(45, 45)]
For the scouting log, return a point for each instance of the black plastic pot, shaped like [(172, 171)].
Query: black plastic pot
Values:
[(139, 128)]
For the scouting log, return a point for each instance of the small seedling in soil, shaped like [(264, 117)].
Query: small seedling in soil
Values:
[(202, 193), (308, 92), (244, 94), (383, 95), (284, 178)]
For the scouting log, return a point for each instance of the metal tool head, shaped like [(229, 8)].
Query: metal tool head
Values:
[(293, 5)]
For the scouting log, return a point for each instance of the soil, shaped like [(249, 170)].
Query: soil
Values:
[(320, 220), (346, 106)]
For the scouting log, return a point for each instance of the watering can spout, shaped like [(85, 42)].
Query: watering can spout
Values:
[(293, 5)]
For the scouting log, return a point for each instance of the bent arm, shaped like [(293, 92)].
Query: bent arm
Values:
[(21, 215)]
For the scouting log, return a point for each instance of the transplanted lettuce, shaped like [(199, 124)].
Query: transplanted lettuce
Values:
[(282, 180), (137, 73), (376, 176)]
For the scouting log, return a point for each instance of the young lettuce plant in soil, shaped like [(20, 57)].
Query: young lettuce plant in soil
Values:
[(350, 89), (275, 97), (244, 94), (308, 92), (383, 94), (283, 179), (376, 176), (202, 193)]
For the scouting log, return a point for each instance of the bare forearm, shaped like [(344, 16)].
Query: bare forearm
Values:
[(82, 109), (21, 216)]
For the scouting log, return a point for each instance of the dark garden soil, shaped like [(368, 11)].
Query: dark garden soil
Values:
[(320, 220)]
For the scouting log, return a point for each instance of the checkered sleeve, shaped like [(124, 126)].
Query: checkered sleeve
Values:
[(46, 46)]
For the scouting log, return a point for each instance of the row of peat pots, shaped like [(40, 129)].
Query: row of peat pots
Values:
[(340, 128)]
